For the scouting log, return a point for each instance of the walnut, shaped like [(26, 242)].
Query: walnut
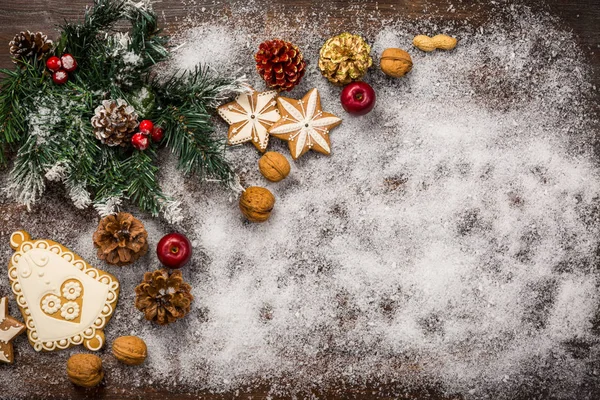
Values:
[(256, 203), (274, 166), (85, 370), (395, 62), (130, 350)]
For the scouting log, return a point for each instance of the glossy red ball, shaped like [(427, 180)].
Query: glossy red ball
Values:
[(174, 250), (146, 125), (140, 141), (157, 134), (358, 98), (60, 77), (53, 64), (68, 62)]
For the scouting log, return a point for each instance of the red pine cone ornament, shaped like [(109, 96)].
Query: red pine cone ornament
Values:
[(280, 63)]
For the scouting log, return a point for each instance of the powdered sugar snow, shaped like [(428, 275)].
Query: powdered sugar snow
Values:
[(450, 239)]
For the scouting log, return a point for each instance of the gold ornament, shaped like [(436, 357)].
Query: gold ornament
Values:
[(345, 58)]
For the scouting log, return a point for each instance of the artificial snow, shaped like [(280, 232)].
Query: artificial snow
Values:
[(450, 240)]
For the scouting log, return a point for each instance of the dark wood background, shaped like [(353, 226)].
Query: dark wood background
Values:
[(580, 16)]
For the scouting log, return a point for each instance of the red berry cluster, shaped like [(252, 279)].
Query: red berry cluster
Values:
[(61, 67), (140, 140)]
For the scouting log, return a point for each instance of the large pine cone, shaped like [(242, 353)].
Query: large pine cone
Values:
[(121, 239), (163, 297), (280, 64), (27, 46), (114, 122), (345, 58)]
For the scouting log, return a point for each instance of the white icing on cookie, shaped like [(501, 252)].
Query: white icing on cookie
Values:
[(64, 300)]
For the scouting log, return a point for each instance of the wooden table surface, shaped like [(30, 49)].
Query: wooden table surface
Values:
[(580, 16)]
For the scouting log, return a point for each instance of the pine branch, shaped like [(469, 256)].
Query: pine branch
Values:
[(143, 189), (77, 38), (201, 87), (189, 136), (26, 179), (17, 90), (50, 124)]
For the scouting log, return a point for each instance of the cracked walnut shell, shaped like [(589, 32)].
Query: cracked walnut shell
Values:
[(130, 350), (256, 203), (274, 166), (85, 370), (395, 62)]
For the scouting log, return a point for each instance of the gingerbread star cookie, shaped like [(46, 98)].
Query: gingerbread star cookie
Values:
[(249, 117), (9, 329), (65, 301), (304, 125)]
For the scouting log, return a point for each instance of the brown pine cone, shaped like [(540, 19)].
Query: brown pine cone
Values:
[(114, 122), (27, 46), (280, 64), (121, 239), (163, 297)]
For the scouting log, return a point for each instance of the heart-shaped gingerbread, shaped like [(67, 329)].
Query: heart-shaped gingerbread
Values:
[(67, 304)]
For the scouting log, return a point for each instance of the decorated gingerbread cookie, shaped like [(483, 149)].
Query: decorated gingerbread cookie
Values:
[(9, 329), (65, 301), (249, 117)]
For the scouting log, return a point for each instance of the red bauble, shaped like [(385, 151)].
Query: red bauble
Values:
[(140, 141), (53, 64), (174, 250), (157, 134), (68, 62), (60, 77), (146, 125), (358, 98)]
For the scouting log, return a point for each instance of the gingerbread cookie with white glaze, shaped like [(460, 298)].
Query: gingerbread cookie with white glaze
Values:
[(65, 301)]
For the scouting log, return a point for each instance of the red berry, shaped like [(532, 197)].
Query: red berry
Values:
[(145, 132), (60, 77), (68, 62), (140, 141), (157, 134), (146, 125), (53, 64)]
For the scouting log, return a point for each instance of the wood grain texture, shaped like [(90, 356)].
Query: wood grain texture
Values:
[(580, 16)]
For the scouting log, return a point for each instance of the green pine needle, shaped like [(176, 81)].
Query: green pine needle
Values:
[(48, 126)]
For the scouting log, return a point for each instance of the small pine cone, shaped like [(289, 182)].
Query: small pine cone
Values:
[(121, 239), (114, 122), (27, 46), (280, 64), (345, 58), (163, 297)]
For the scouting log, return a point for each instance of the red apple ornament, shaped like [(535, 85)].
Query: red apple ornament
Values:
[(157, 134), (358, 98), (53, 64), (140, 141), (174, 250), (146, 125), (60, 77), (68, 62)]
